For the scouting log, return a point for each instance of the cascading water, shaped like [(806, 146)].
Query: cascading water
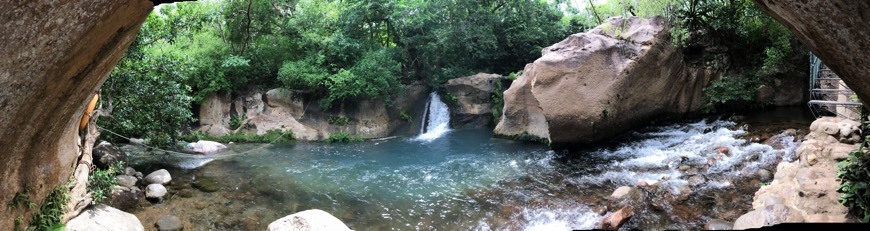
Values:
[(438, 117)]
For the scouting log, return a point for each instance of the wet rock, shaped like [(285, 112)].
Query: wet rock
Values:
[(137, 141), (684, 167), (106, 155), (473, 99), (718, 224), (725, 150), (155, 191), (129, 171), (696, 180), (616, 219), (206, 184), (204, 147), (126, 181), (158, 177), (764, 175), (790, 132), (621, 193), (600, 210), (313, 219), (685, 192), (169, 223), (102, 217), (185, 193), (768, 216)]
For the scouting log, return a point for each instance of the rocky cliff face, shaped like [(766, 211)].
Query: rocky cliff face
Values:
[(473, 99), (836, 30), (806, 190), (55, 55), (298, 111), (595, 85)]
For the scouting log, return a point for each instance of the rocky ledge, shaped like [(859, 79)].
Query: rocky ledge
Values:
[(806, 190)]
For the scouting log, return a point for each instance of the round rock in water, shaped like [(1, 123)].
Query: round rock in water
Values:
[(158, 177), (155, 191), (206, 184), (718, 224), (169, 223), (764, 175)]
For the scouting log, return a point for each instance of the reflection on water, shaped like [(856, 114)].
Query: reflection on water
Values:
[(468, 180)]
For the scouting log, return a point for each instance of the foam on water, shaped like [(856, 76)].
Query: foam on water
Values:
[(438, 119)]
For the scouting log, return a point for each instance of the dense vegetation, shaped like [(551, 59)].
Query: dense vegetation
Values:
[(342, 51), (854, 177)]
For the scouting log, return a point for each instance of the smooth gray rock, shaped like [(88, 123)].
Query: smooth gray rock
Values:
[(169, 223), (718, 224), (102, 217), (155, 191), (126, 181), (308, 220), (158, 177), (764, 175), (768, 216)]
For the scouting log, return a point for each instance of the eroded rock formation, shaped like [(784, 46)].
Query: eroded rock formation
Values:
[(473, 99), (806, 190), (836, 30), (298, 111), (55, 55), (595, 85)]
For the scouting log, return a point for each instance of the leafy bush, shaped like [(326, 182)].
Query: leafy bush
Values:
[(854, 177), (50, 213), (307, 73), (741, 89), (497, 101), (343, 137), (236, 121), (406, 117), (100, 182)]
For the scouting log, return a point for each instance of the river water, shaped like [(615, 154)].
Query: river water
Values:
[(467, 180)]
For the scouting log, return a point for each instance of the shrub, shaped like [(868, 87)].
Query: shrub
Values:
[(271, 136), (732, 89), (854, 178), (50, 213), (100, 182), (338, 120)]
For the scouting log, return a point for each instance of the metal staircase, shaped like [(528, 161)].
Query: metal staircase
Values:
[(829, 96)]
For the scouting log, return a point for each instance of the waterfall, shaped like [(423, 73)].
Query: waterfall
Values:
[(437, 119)]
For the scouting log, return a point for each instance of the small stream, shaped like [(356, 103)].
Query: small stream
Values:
[(467, 180)]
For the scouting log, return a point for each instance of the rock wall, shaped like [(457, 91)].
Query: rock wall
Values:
[(473, 99), (598, 84), (835, 30), (806, 190), (300, 112), (55, 54)]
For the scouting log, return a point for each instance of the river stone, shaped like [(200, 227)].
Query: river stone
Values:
[(764, 175), (313, 219), (696, 180), (206, 184), (158, 177), (620, 193), (684, 167), (768, 216), (155, 191), (718, 224), (102, 217), (204, 147), (616, 219), (126, 181), (169, 223), (106, 155)]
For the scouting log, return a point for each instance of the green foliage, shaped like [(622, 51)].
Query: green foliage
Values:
[(448, 98), (406, 117), (737, 89), (100, 181), (50, 213), (21, 200), (854, 176), (236, 121), (343, 137), (526, 137), (271, 136), (338, 120)]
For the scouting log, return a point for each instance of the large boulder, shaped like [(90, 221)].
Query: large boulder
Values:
[(214, 114), (836, 30), (598, 84), (204, 147), (106, 155), (474, 98), (308, 220), (56, 54), (104, 218)]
